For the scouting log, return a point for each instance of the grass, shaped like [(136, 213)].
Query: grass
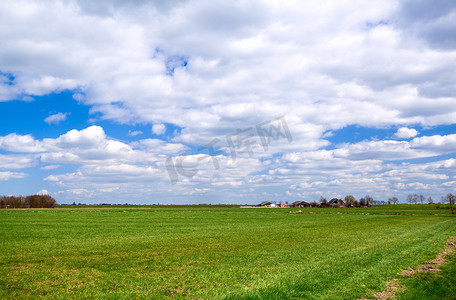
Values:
[(209, 252), (432, 286)]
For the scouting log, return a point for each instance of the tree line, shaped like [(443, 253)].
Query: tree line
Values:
[(415, 199), (32, 201), (350, 201)]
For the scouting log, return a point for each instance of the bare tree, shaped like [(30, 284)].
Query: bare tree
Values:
[(349, 200), (422, 199), (429, 200), (393, 200), (323, 200), (410, 198), (451, 199), (369, 200)]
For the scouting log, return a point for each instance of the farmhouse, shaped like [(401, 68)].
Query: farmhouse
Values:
[(300, 204), (336, 203)]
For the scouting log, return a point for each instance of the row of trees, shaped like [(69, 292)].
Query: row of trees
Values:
[(33, 201), (412, 199), (415, 199), (350, 201)]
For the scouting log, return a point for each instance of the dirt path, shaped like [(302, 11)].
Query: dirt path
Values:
[(433, 265)]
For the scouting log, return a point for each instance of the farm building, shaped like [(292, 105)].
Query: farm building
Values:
[(336, 203), (300, 204)]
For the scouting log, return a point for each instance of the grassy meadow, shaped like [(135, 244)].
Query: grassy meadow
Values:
[(214, 252)]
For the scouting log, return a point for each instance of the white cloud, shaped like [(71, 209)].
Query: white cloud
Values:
[(405, 133), (135, 132), (442, 144), (82, 146), (8, 91), (43, 192), (50, 167), (20, 143), (73, 192), (451, 184), (14, 161), (350, 168), (157, 147), (152, 71), (158, 129), (85, 138), (112, 173), (384, 150), (56, 118), (8, 175)]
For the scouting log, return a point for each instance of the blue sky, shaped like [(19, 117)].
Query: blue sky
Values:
[(214, 102)]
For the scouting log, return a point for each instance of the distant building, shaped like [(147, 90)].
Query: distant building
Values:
[(300, 204), (266, 204), (336, 203)]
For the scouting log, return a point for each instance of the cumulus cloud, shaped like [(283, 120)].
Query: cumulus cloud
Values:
[(56, 118), (43, 192), (112, 173), (20, 143), (384, 150), (14, 161), (86, 138), (82, 146), (158, 129), (442, 144), (433, 23), (349, 168), (8, 175), (153, 71), (405, 133)]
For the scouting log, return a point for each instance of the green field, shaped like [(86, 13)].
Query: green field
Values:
[(213, 252)]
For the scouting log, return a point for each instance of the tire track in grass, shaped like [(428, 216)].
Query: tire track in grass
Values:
[(393, 286)]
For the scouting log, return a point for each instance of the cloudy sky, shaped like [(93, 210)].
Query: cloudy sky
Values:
[(227, 101)]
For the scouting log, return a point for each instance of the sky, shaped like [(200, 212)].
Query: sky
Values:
[(230, 102)]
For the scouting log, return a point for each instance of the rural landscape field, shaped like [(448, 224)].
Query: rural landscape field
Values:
[(246, 149), (221, 252)]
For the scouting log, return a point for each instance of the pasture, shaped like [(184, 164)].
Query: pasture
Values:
[(213, 252)]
